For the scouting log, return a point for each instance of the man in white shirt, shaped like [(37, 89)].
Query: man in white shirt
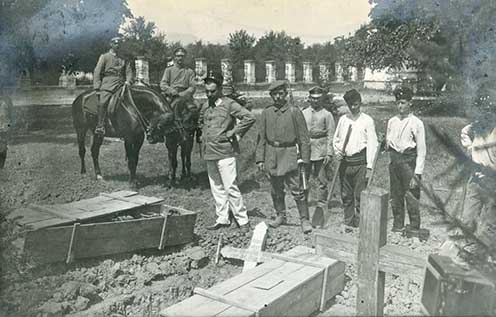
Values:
[(357, 156), (479, 137), (405, 141), (320, 124)]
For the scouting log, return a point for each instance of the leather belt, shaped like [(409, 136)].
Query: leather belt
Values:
[(281, 144)]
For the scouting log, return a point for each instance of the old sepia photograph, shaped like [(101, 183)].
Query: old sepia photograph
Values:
[(247, 158)]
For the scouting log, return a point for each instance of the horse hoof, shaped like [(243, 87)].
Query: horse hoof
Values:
[(99, 177)]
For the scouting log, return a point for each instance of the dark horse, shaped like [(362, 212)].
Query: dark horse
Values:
[(139, 110), (181, 134)]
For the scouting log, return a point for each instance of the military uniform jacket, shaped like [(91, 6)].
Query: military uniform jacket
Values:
[(280, 130), (320, 124), (216, 120), (181, 79), (110, 72)]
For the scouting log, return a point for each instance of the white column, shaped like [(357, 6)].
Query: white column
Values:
[(307, 72), (324, 72), (249, 71), (142, 73), (338, 68), (290, 72), (270, 71), (200, 68), (226, 67)]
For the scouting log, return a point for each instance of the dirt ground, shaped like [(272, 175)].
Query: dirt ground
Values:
[(43, 167)]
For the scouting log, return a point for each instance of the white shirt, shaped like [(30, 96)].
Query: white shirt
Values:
[(482, 147), (362, 136), (407, 133)]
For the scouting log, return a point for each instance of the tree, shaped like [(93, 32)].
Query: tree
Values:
[(241, 48), (38, 35)]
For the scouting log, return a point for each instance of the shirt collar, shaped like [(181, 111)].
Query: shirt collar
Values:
[(216, 103), (283, 108)]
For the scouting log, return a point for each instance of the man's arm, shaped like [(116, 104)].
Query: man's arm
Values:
[(330, 125), (261, 141), (302, 135), (421, 148), (466, 136), (97, 73), (245, 119), (336, 140), (190, 91), (372, 143), (164, 83)]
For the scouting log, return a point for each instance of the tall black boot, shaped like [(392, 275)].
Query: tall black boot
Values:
[(302, 206), (101, 114), (3, 157)]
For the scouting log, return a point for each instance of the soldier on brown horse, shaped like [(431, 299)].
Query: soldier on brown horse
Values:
[(133, 111)]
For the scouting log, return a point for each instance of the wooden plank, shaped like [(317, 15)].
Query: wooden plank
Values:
[(287, 289), (403, 262), (50, 244), (54, 210), (253, 256), (373, 234), (340, 247), (223, 299)]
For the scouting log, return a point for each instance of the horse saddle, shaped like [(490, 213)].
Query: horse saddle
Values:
[(90, 103)]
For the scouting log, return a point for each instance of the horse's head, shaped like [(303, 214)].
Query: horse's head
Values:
[(157, 110)]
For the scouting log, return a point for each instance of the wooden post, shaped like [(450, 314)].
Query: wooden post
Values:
[(373, 234)]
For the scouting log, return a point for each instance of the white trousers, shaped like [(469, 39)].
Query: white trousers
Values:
[(222, 176)]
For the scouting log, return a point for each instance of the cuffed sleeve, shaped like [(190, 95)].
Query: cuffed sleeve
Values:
[(302, 137), (421, 148), (261, 140), (245, 119)]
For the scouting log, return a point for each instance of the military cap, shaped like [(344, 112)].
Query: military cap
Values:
[(214, 77), (316, 92), (403, 93), (115, 39), (277, 85), (180, 49), (352, 96)]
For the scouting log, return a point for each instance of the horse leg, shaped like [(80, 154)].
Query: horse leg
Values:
[(81, 139), (186, 150), (171, 143), (133, 146), (95, 153)]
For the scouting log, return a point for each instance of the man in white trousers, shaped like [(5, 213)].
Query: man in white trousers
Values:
[(223, 122)]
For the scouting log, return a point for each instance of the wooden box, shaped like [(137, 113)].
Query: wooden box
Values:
[(288, 286), (450, 290), (69, 232)]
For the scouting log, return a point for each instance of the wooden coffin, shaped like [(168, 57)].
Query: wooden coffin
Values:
[(166, 226), (35, 216), (450, 290), (291, 285)]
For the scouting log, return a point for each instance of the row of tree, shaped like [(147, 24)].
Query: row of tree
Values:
[(453, 41)]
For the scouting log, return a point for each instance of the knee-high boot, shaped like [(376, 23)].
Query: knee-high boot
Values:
[(101, 114), (302, 206)]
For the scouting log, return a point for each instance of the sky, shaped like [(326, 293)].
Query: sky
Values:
[(314, 21)]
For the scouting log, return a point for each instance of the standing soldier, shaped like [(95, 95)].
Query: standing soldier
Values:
[(110, 73), (355, 145), (321, 126), (405, 141), (283, 132), (221, 134), (5, 126), (479, 137)]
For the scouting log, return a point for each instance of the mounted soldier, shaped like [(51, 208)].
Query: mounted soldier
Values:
[(110, 73)]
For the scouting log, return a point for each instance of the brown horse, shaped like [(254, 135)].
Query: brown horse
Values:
[(138, 111)]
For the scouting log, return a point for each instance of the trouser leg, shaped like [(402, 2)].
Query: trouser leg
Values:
[(104, 98), (227, 171), (359, 185), (486, 229), (473, 205), (277, 193), (413, 198), (3, 158), (292, 181), (218, 192), (321, 179), (397, 196), (347, 185)]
